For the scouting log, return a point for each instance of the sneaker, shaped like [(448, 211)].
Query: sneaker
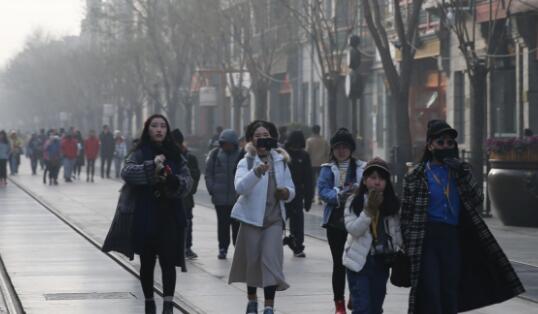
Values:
[(299, 254), (252, 307), (268, 310), (222, 254), (190, 254)]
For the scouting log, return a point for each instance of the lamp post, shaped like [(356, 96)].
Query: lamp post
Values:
[(354, 86)]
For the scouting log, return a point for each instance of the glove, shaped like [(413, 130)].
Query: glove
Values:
[(375, 199), (454, 164), (282, 194)]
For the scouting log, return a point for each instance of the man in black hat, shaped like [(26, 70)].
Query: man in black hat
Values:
[(188, 200)]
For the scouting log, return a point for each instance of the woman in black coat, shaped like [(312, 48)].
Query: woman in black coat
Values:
[(158, 178), (301, 173), (456, 263)]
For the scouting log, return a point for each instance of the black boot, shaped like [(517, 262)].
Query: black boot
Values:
[(150, 307), (168, 307)]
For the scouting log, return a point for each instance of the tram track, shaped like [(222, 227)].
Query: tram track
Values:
[(179, 303)]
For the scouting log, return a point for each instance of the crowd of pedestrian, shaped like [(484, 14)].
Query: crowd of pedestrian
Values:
[(429, 236)]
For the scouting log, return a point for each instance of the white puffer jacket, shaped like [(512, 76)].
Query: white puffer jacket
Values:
[(359, 239)]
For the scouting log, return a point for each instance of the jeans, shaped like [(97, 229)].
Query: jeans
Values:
[(296, 217), (117, 166), (68, 168), (438, 285), (14, 164), (224, 224), (337, 241), (368, 287)]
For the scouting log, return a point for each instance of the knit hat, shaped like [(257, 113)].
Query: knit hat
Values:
[(343, 136), (178, 136), (438, 127), (377, 163)]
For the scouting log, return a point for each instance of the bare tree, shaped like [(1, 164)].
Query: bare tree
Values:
[(405, 15), (459, 17), (329, 32)]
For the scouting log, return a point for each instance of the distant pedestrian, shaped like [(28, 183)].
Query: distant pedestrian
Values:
[(106, 142), (5, 150), (120, 151), (263, 181), (456, 263), (214, 140), (318, 149), (220, 168), (301, 173), (79, 162), (54, 158), (91, 150), (16, 152), (188, 200), (69, 154), (336, 182), (372, 220), (42, 139), (158, 178), (33, 151)]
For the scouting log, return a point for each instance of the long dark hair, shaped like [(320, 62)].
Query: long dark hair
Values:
[(5, 138), (391, 203), (352, 164), (168, 147)]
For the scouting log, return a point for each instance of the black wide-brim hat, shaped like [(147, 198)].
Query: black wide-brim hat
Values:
[(438, 127)]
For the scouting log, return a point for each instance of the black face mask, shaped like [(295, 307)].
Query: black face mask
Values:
[(266, 143), (446, 153)]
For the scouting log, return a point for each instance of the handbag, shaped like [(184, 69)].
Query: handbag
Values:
[(120, 234), (400, 275)]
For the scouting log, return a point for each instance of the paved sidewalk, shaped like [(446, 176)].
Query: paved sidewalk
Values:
[(55, 270), (205, 286)]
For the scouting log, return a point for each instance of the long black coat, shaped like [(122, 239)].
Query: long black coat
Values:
[(303, 179), (121, 236), (487, 277)]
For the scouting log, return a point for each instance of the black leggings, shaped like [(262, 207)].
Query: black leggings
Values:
[(3, 168), (147, 268), (337, 241), (268, 292)]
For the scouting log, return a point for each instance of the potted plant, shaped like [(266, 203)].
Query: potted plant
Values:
[(513, 179)]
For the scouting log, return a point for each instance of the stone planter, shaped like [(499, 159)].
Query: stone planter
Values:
[(513, 191)]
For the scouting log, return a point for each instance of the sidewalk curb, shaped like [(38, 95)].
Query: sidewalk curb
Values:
[(8, 293), (180, 302)]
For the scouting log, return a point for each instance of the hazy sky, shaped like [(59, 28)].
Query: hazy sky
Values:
[(20, 18)]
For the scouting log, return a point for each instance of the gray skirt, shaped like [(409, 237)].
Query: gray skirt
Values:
[(258, 257)]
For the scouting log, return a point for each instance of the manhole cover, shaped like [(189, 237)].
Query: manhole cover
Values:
[(89, 296)]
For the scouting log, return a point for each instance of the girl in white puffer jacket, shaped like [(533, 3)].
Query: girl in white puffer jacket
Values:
[(373, 224)]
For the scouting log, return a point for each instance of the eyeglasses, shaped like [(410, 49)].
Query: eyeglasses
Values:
[(448, 142)]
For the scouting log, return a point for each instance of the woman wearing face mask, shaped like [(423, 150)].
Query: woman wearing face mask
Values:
[(336, 182), (263, 182), (160, 179), (456, 264)]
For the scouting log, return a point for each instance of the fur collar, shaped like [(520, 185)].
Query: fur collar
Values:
[(251, 152)]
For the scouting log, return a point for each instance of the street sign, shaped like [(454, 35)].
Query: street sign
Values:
[(208, 96)]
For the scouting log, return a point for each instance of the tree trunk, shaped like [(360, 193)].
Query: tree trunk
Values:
[(190, 117), (403, 135), (237, 100), (332, 95), (260, 108)]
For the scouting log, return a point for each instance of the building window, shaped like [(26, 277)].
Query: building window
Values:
[(459, 105)]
